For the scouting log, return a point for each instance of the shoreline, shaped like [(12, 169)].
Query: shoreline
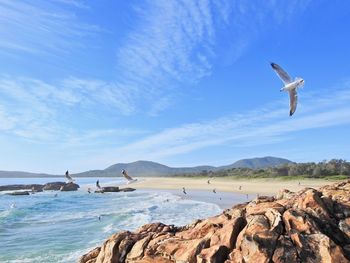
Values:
[(265, 186), (223, 200)]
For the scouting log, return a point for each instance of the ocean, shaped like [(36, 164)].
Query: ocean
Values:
[(46, 228)]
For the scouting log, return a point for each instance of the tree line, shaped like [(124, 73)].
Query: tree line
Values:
[(334, 167)]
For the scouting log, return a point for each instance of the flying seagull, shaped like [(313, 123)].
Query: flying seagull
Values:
[(128, 177), (98, 184), (290, 85), (69, 178)]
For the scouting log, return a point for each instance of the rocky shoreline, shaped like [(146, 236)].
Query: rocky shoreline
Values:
[(33, 188), (26, 189), (305, 226)]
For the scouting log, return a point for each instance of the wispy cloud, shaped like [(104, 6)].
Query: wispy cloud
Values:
[(34, 109), (170, 42), (266, 125), (173, 43), (42, 27)]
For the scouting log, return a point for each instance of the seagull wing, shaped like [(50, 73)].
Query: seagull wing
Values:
[(126, 176), (281, 73), (293, 96), (69, 177)]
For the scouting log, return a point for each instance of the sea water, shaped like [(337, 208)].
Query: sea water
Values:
[(45, 227)]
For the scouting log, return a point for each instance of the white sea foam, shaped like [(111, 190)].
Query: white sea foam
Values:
[(47, 229)]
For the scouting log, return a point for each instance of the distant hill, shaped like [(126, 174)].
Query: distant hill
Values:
[(256, 163), (18, 174), (144, 168), (148, 168)]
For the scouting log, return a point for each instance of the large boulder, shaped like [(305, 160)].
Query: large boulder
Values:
[(56, 186), (19, 193), (111, 189), (69, 187), (127, 189), (308, 226), (15, 187)]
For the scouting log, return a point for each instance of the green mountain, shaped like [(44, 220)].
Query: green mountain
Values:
[(256, 163), (148, 168), (144, 168)]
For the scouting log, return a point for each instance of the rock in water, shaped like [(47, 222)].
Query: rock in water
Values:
[(69, 187), (306, 226), (127, 189), (19, 193), (11, 187), (53, 186), (110, 189)]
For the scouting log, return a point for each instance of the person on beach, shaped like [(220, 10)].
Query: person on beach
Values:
[(98, 184), (184, 190)]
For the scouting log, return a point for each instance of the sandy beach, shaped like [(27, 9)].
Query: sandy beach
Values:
[(267, 186)]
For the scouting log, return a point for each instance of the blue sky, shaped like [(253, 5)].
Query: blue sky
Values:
[(86, 84)]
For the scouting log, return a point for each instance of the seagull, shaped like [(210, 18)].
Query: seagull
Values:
[(69, 178), (98, 184), (289, 85), (128, 177), (214, 191), (208, 181), (184, 190)]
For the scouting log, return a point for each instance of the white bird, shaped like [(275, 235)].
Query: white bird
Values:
[(289, 85), (69, 178), (128, 177)]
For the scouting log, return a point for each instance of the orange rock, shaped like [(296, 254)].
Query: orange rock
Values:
[(285, 251), (227, 235), (307, 226), (256, 241), (298, 220), (318, 248), (260, 208), (213, 254)]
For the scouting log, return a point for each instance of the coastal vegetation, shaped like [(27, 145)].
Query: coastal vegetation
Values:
[(335, 169)]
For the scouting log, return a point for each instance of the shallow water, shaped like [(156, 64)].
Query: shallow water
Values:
[(45, 228)]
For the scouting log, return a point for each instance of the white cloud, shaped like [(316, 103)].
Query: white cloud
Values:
[(33, 109), (42, 27), (174, 43), (169, 43), (267, 125)]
